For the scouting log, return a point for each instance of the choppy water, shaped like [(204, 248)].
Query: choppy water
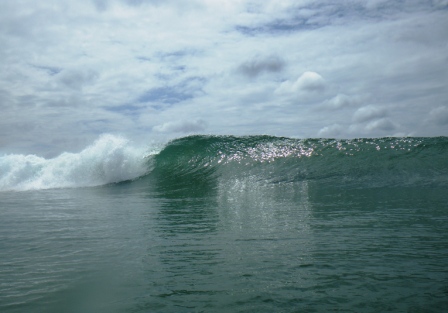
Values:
[(228, 224)]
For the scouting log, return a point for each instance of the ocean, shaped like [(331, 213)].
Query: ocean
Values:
[(227, 224)]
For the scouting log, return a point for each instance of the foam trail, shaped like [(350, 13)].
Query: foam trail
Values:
[(109, 159)]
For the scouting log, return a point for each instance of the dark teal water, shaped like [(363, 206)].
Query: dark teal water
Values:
[(254, 224)]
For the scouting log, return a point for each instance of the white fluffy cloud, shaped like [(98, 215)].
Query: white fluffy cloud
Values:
[(307, 82), (310, 81)]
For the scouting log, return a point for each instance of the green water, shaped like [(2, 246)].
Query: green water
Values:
[(224, 240), (275, 249)]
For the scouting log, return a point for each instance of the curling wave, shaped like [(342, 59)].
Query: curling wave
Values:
[(202, 160)]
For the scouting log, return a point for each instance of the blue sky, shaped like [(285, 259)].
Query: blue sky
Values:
[(152, 70)]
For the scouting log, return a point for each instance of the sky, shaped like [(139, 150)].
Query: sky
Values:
[(152, 70)]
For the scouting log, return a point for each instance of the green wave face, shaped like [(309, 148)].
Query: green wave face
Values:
[(197, 161)]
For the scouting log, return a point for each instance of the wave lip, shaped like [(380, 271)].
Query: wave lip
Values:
[(109, 159)]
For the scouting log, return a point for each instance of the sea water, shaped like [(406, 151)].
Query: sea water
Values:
[(227, 224)]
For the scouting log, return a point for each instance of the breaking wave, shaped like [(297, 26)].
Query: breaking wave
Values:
[(201, 160), (109, 159), (355, 163)]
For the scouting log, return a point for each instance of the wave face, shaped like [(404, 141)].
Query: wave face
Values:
[(109, 159), (355, 163), (196, 161)]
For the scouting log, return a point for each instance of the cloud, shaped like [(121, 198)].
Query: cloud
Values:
[(197, 125), (330, 131), (257, 66), (76, 79), (146, 68), (368, 113), (187, 89), (101, 5), (383, 124), (308, 82), (341, 101), (439, 115), (440, 3), (168, 95), (5, 99), (373, 120), (304, 16)]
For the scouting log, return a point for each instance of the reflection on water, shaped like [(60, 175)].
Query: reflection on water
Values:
[(231, 241)]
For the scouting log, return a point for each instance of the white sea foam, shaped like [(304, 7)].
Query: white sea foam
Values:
[(109, 159)]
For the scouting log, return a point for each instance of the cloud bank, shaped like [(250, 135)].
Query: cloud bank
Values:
[(153, 70)]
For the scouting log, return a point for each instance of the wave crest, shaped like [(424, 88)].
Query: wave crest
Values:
[(357, 162), (202, 160), (109, 159)]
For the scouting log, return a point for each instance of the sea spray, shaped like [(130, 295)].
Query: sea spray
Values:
[(109, 159)]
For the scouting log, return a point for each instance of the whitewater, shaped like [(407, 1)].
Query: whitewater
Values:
[(227, 224), (109, 159)]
